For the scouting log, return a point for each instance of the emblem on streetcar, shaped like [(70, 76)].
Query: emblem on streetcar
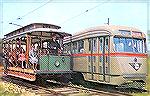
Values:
[(135, 64)]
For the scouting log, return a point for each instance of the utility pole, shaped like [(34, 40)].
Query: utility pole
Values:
[(108, 21)]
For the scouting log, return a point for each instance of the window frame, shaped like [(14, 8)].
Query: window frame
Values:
[(126, 41)]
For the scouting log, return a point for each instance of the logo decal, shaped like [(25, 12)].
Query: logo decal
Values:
[(135, 65)]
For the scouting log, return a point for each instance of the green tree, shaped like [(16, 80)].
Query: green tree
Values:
[(148, 40)]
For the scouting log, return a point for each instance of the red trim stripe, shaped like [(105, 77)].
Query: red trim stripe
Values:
[(113, 54), (129, 54)]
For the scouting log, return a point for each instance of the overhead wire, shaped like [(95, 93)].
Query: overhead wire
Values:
[(21, 17), (84, 12), (30, 12), (34, 9)]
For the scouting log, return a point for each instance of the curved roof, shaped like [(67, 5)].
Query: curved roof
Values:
[(110, 28), (106, 30)]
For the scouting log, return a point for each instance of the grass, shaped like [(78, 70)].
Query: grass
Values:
[(10, 89), (141, 94), (4, 92)]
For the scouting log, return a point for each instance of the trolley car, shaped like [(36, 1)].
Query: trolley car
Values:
[(28, 53), (109, 54)]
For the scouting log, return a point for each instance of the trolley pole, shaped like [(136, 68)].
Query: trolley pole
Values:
[(15, 24)]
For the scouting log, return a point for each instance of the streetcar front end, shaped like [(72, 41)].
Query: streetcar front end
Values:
[(129, 59)]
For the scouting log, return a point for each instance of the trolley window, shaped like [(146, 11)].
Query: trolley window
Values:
[(75, 47), (67, 48), (123, 44), (81, 46), (94, 45)]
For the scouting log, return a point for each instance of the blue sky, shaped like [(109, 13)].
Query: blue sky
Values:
[(73, 15)]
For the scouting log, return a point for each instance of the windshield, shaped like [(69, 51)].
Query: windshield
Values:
[(129, 45)]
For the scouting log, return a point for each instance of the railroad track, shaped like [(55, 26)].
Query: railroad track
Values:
[(62, 90), (71, 90)]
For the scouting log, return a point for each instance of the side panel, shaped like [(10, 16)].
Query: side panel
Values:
[(94, 61), (80, 58), (128, 69), (52, 63), (99, 63)]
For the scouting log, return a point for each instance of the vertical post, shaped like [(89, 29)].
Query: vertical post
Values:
[(28, 45), (108, 21), (71, 49)]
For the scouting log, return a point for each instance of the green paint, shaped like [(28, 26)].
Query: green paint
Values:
[(48, 62)]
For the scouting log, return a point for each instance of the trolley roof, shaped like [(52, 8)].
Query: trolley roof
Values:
[(36, 29), (32, 26), (109, 30)]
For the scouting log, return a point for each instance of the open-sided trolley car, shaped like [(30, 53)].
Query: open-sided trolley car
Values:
[(36, 50)]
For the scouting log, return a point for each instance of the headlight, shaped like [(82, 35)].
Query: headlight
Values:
[(57, 63)]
